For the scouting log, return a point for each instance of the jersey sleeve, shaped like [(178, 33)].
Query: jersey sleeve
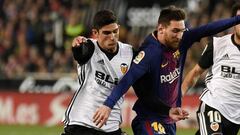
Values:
[(139, 67), (206, 59), (84, 52), (195, 34)]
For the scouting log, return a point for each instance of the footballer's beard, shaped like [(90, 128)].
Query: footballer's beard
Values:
[(174, 45), (112, 48)]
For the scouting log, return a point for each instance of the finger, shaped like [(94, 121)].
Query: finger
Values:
[(180, 111), (98, 118), (99, 121), (185, 112), (84, 40), (95, 116), (102, 122)]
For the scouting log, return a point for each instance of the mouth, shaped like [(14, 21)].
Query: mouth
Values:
[(112, 44)]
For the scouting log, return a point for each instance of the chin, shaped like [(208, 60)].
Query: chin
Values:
[(175, 46)]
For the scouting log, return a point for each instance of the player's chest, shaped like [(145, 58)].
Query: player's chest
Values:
[(169, 61)]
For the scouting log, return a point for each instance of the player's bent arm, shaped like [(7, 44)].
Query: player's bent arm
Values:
[(191, 78), (82, 51)]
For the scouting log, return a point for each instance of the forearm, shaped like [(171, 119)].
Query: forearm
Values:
[(121, 88), (212, 28), (191, 78)]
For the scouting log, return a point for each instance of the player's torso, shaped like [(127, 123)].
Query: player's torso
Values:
[(97, 78), (168, 77), (160, 81), (225, 82)]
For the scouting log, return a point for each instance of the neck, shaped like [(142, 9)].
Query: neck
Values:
[(237, 39), (108, 50), (112, 50)]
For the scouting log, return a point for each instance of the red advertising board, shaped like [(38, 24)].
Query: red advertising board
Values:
[(48, 109)]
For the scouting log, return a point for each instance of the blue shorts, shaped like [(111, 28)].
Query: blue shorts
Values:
[(142, 126)]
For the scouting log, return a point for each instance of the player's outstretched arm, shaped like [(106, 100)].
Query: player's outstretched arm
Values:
[(82, 49), (101, 115)]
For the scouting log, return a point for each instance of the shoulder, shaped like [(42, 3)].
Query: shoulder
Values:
[(225, 37), (124, 45), (94, 41), (219, 42)]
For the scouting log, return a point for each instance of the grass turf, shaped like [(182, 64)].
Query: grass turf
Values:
[(57, 130)]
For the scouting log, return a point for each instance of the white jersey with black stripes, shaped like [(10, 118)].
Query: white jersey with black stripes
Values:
[(97, 78), (223, 89)]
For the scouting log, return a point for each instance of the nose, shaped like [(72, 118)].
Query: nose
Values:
[(112, 36), (179, 35)]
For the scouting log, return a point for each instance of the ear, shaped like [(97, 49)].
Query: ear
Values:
[(160, 28), (95, 33)]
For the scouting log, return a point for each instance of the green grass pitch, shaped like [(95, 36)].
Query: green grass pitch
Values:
[(57, 130)]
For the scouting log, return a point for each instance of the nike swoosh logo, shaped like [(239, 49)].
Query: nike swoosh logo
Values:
[(164, 65), (173, 79)]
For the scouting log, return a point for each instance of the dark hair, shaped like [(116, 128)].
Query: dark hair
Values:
[(235, 8), (102, 18), (171, 13)]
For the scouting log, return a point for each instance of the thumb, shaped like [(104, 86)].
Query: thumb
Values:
[(180, 112)]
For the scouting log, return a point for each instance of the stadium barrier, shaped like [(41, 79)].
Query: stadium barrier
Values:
[(48, 108)]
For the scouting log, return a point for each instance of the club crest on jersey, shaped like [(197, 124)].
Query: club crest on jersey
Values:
[(139, 57), (214, 126), (176, 54), (124, 68)]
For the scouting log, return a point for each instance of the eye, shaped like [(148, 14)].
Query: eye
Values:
[(178, 30), (115, 31), (106, 32)]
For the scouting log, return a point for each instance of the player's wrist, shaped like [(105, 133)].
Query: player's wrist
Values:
[(109, 103)]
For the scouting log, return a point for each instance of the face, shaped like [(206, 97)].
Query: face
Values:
[(172, 34), (107, 37), (237, 28)]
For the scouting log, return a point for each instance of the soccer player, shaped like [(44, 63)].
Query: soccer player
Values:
[(101, 64), (219, 111), (156, 73)]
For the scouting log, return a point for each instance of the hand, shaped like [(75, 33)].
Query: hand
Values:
[(178, 114), (101, 115), (79, 41)]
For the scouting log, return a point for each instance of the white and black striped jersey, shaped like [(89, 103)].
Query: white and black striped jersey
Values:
[(97, 77), (223, 78)]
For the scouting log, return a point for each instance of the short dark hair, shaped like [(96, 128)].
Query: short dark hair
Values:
[(171, 13), (235, 8), (103, 17)]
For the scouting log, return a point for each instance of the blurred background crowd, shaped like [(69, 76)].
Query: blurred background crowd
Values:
[(36, 35)]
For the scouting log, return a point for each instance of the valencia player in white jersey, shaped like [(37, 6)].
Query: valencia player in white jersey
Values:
[(219, 111), (101, 64)]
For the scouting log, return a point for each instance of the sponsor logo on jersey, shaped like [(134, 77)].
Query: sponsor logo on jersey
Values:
[(105, 80), (214, 126), (171, 77), (164, 64), (230, 72), (225, 57), (139, 57), (124, 68)]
